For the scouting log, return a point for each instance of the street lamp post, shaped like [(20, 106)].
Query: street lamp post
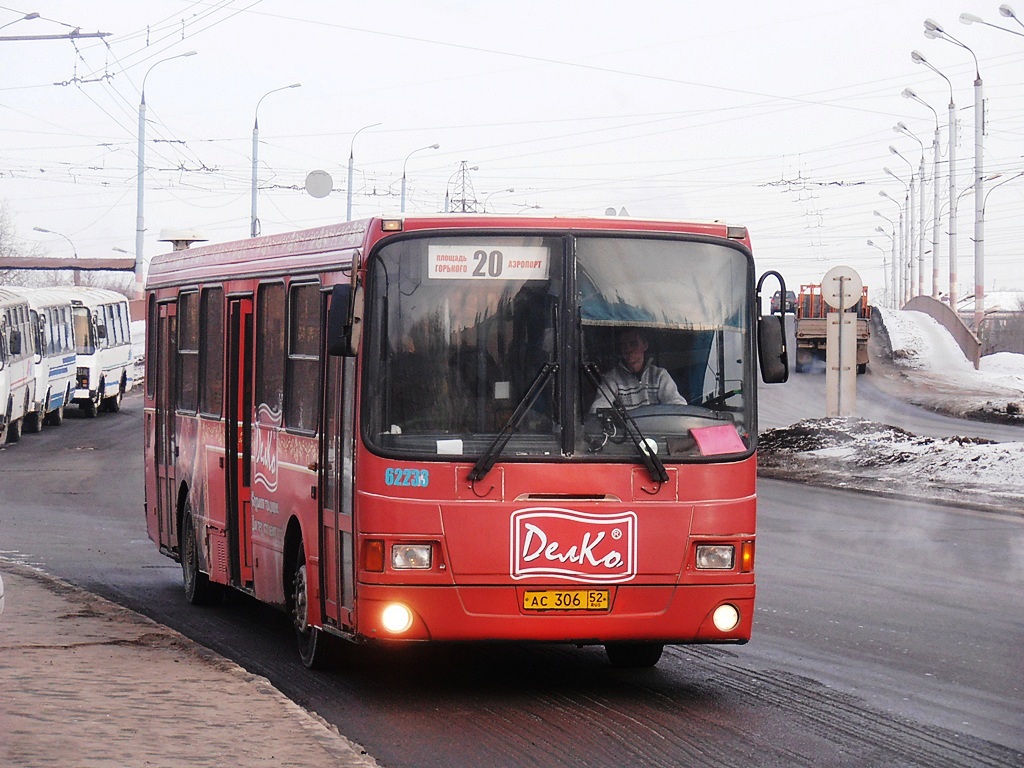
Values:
[(74, 251), (901, 128), (892, 244), (140, 183), (921, 240), (254, 224), (953, 293), (934, 31), (906, 235), (897, 254), (351, 150), (885, 266), (909, 94), (421, 149), (496, 192)]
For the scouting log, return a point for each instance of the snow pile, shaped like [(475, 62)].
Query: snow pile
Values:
[(856, 453), (920, 343), (933, 372)]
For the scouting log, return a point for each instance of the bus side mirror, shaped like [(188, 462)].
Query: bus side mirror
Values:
[(339, 323), (772, 354), (15, 342), (771, 337)]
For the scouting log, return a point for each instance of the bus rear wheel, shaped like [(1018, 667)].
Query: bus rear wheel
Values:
[(312, 642), (625, 655), (89, 408), (198, 590), (33, 423), (113, 404), (55, 417)]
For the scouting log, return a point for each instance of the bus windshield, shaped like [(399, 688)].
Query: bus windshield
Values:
[(564, 347)]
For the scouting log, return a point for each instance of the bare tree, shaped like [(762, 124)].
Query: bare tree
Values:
[(11, 246)]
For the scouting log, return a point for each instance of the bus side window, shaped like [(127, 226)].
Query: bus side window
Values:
[(270, 350), (302, 410), (211, 352), (188, 351)]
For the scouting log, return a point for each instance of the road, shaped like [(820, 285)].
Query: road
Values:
[(885, 634)]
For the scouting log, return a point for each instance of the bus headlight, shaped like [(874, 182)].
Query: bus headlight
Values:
[(726, 617), (715, 557), (411, 557), (396, 618)]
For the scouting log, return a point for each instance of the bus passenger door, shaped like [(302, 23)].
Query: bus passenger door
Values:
[(239, 439), (337, 569), (166, 426)]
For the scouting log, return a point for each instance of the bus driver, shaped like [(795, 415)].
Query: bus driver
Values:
[(636, 380)]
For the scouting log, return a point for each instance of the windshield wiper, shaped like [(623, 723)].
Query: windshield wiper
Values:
[(647, 456), (486, 461)]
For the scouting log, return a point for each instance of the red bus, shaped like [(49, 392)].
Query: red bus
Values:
[(411, 429)]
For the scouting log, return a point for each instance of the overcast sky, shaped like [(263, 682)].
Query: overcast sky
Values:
[(775, 115)]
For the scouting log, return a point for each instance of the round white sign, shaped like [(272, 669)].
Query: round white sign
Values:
[(841, 287), (319, 184)]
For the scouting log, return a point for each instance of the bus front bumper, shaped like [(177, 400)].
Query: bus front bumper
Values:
[(667, 614)]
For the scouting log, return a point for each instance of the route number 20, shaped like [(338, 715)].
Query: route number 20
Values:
[(488, 264)]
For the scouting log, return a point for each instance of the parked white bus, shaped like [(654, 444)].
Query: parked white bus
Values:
[(55, 366), (17, 350), (103, 344)]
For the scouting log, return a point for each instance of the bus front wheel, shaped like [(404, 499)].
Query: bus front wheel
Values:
[(633, 654), (312, 642)]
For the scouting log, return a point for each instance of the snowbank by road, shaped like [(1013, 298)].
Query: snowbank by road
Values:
[(860, 454)]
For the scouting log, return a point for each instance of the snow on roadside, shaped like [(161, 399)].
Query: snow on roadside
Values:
[(920, 343), (857, 453)]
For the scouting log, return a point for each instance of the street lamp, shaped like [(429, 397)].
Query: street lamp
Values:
[(920, 59), (885, 266), (140, 183), (901, 128), (74, 250), (970, 18), (496, 192), (351, 149), (934, 31), (897, 255), (26, 17), (1007, 11), (254, 224), (908, 266), (906, 237), (892, 239), (421, 149), (909, 94)]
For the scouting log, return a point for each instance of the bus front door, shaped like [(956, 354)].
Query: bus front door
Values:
[(166, 427), (239, 440), (337, 571)]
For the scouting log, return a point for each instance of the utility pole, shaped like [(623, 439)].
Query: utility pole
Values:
[(463, 197)]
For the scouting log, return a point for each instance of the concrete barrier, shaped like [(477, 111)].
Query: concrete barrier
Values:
[(951, 321)]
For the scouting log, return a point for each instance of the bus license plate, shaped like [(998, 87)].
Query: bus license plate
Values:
[(565, 600)]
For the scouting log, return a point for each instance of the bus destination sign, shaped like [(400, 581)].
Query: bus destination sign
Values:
[(479, 261)]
